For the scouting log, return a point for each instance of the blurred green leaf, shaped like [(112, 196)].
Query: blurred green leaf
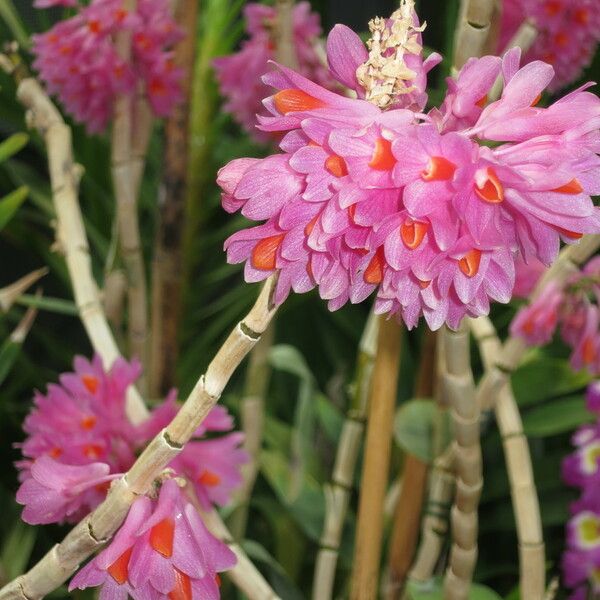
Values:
[(12, 145), (542, 378), (330, 418), (434, 590), (16, 550), (556, 416), (10, 204), (14, 23), (55, 305), (9, 351), (413, 428)]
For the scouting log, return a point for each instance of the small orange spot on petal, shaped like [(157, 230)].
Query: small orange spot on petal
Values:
[(209, 478), (94, 26), (561, 39), (157, 87), (336, 165), (55, 452), (536, 100), (218, 579), (553, 7), (120, 14), (581, 16), (574, 235), (492, 190), (161, 537), (482, 101), (412, 233), (287, 101), (311, 225), (183, 587), (374, 272), (589, 353), (90, 382), (88, 422), (573, 187), (102, 487), (93, 451), (529, 326), (382, 159), (264, 255), (118, 570), (469, 263), (438, 169), (424, 284), (352, 212)]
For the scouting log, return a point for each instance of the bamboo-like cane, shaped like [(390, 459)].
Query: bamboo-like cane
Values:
[(125, 177), (460, 388), (378, 445), (285, 48), (472, 30), (337, 492), (167, 271), (407, 514), (252, 411), (520, 471), (70, 232), (514, 349)]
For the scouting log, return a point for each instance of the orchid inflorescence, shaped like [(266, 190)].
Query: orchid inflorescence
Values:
[(79, 439), (429, 210)]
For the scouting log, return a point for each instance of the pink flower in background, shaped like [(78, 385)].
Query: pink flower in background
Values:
[(526, 276), (78, 61), (239, 75), (369, 195), (163, 550), (51, 3), (79, 438), (568, 34)]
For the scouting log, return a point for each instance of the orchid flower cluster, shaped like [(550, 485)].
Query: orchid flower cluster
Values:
[(79, 439), (575, 307), (428, 210), (581, 560), (79, 62), (239, 74), (568, 33)]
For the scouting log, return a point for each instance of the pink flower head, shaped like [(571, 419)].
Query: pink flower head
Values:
[(162, 550), (527, 276), (78, 61), (568, 33), (239, 74), (369, 196), (57, 492), (537, 322)]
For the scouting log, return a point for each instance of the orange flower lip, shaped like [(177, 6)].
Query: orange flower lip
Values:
[(492, 190), (469, 263), (90, 382), (374, 272), (382, 158), (209, 478), (482, 101), (119, 569), (161, 537), (287, 101), (572, 187), (183, 587), (438, 169), (264, 255), (336, 165), (412, 233)]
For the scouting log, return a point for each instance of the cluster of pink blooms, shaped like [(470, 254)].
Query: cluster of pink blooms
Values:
[(79, 63), (79, 439), (239, 74), (581, 560), (575, 308), (568, 33), (427, 210)]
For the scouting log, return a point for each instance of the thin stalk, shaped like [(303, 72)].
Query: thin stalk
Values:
[(378, 446), (407, 514), (524, 495), (459, 385), (125, 177), (337, 492), (472, 30), (166, 268), (285, 51), (252, 410)]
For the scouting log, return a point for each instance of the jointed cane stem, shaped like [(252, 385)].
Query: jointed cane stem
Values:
[(472, 30)]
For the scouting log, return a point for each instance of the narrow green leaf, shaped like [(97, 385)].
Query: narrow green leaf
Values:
[(12, 145), (9, 351), (16, 550), (13, 21), (55, 305), (10, 204), (557, 416)]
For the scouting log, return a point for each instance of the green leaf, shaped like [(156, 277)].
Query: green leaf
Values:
[(433, 590), (413, 428), (556, 416), (55, 305), (10, 204), (9, 351), (14, 23), (287, 358), (12, 145), (329, 416), (16, 550), (542, 378)]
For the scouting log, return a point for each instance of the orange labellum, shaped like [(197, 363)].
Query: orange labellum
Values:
[(374, 272), (561, 39), (382, 159), (88, 422), (287, 101), (492, 190), (93, 451), (55, 452), (265, 252), (90, 382), (469, 263), (209, 478), (581, 16), (589, 351), (118, 570), (336, 165), (438, 169), (536, 100), (553, 7), (574, 235), (482, 101), (352, 211), (183, 587), (573, 187), (157, 87), (311, 225), (94, 26), (424, 284), (412, 233), (161, 537)]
